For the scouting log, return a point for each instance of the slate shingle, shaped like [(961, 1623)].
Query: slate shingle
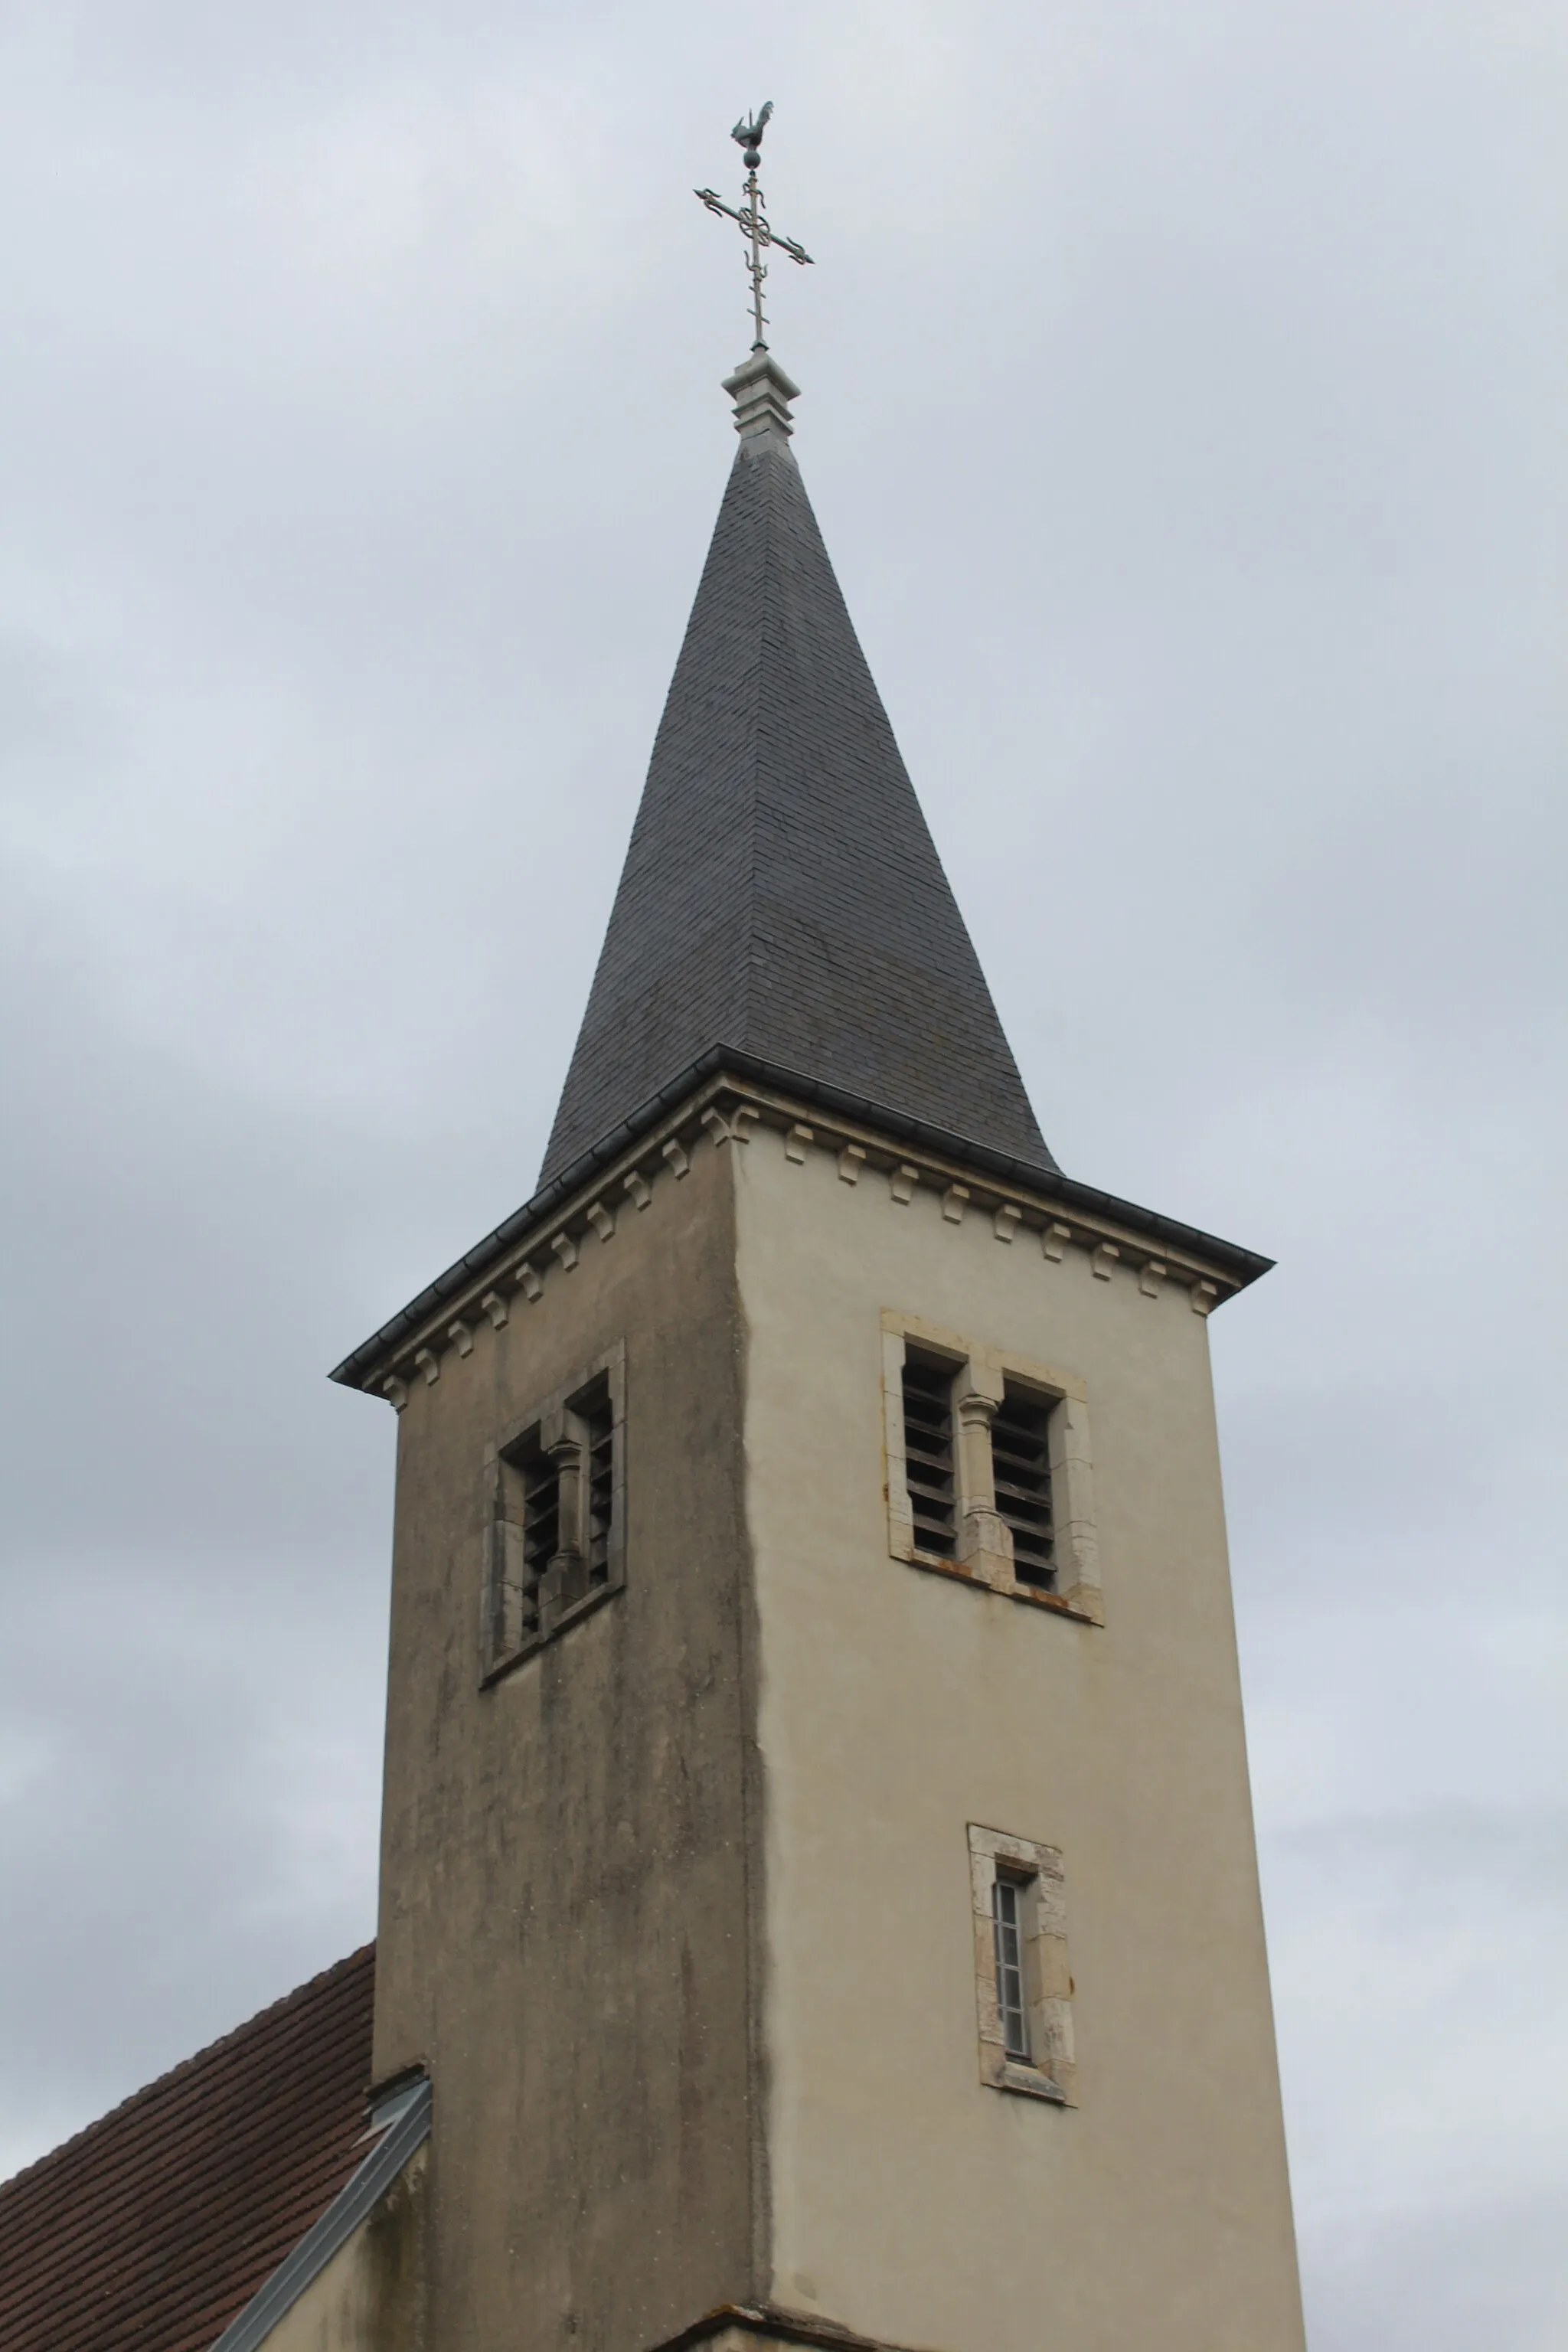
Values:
[(781, 895)]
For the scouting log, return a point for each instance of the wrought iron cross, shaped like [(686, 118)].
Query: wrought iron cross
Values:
[(750, 219)]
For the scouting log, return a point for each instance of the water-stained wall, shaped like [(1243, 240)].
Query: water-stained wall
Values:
[(564, 1899)]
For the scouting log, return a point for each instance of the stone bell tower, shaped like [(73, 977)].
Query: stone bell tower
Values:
[(819, 1874)]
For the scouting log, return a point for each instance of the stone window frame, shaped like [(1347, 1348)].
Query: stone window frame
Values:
[(984, 1556), (1051, 2072), (548, 1426)]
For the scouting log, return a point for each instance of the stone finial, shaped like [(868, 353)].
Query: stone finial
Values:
[(762, 394)]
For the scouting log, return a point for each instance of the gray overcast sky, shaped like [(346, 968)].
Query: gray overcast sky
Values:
[(1182, 391)]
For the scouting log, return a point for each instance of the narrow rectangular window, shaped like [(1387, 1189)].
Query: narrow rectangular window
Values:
[(1020, 1455), (1012, 2001), (928, 1453), (1023, 1985)]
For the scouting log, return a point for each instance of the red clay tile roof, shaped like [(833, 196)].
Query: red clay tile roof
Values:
[(151, 2230)]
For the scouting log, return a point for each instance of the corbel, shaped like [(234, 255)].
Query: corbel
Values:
[(676, 1157), (798, 1140), (528, 1282), (601, 1219), (851, 1159), (565, 1249), (736, 1128), (637, 1187), (953, 1203), (395, 1393), (901, 1182), (1054, 1239), (1151, 1274), (1006, 1220), (461, 1336), (427, 1363), (496, 1307), (1103, 1260), (1204, 1295)]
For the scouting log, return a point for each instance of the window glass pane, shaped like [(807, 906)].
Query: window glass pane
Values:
[(1006, 1912)]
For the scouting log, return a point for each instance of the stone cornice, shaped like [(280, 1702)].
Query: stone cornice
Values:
[(719, 1100)]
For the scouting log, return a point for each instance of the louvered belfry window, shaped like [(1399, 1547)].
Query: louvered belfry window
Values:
[(541, 1531), (1020, 1456), (599, 1434), (929, 1453), (555, 1545)]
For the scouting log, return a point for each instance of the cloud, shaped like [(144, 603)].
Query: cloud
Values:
[(1172, 407), (1486, 2271)]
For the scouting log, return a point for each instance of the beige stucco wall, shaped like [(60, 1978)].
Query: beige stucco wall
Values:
[(910, 2201), (564, 1902), (679, 1914), (370, 2296)]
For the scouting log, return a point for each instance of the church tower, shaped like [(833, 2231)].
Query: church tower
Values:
[(819, 1876)]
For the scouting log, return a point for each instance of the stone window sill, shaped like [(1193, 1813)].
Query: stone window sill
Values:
[(1084, 1608), (558, 1625), (1028, 2082)]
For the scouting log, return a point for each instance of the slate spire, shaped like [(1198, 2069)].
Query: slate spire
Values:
[(782, 895)]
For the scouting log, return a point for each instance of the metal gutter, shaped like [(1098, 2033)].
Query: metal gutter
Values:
[(359, 2196), (1243, 1266)]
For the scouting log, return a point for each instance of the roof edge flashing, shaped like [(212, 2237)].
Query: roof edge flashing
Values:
[(353, 2203)]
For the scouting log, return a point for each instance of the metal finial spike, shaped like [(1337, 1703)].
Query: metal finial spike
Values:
[(750, 219)]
